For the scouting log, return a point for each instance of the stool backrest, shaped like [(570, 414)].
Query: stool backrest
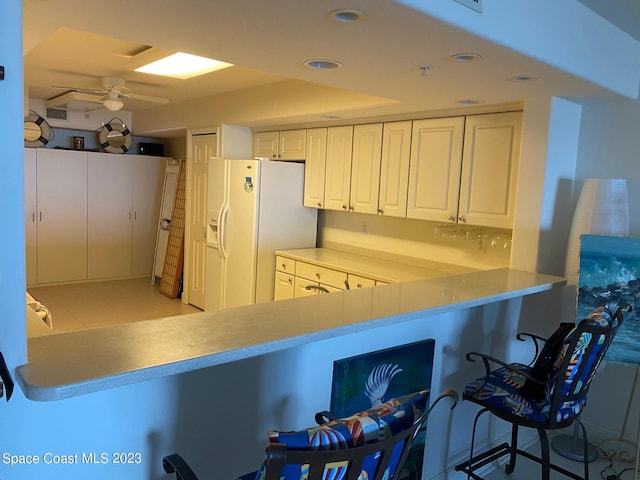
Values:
[(365, 446), (579, 359)]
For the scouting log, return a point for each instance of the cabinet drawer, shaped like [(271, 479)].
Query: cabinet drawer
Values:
[(356, 281), (284, 264), (284, 286), (324, 275)]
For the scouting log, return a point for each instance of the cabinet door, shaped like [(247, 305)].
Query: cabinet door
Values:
[(284, 286), (338, 167), (365, 168), (301, 290), (30, 215), (110, 215), (394, 169), (62, 215), (434, 171), (314, 167), (265, 145), (148, 176), (490, 169), (291, 145)]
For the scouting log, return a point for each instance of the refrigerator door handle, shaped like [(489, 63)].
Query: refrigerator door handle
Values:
[(222, 230)]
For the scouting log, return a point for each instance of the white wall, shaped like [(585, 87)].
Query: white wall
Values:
[(610, 148)]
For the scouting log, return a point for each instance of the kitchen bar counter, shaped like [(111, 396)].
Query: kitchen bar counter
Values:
[(76, 363)]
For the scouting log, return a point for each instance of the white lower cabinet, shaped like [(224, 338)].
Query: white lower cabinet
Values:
[(295, 278), (284, 286), (356, 281)]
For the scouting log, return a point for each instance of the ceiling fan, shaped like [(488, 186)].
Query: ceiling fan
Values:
[(113, 88)]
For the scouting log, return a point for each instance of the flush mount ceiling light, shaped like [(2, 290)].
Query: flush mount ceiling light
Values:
[(347, 15), (525, 78), (183, 66), (465, 57), (323, 64)]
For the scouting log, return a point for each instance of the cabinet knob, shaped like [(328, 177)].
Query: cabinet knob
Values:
[(344, 207), (274, 156), (380, 211), (319, 204), (317, 275), (452, 218), (284, 266), (462, 219), (350, 208)]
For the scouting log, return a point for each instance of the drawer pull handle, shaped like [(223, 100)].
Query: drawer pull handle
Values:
[(317, 275), (317, 287)]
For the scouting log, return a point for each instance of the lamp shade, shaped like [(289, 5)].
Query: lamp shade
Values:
[(602, 208)]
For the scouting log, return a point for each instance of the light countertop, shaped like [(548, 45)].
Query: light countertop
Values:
[(75, 363), (368, 266)]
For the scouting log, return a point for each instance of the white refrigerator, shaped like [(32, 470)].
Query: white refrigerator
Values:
[(254, 208)]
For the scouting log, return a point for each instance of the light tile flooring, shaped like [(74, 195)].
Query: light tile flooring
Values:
[(600, 469), (88, 305)]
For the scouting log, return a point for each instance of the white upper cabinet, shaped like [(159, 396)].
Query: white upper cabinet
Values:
[(314, 167), (394, 169), (434, 172), (365, 168), (490, 169), (338, 168), (283, 145)]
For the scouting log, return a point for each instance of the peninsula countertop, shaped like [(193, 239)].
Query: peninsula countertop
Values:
[(76, 363)]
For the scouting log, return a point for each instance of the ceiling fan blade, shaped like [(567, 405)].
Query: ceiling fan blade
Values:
[(81, 90), (145, 98)]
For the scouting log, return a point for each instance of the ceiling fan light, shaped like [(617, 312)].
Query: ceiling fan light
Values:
[(112, 103)]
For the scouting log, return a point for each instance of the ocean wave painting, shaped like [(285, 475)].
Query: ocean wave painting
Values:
[(610, 270)]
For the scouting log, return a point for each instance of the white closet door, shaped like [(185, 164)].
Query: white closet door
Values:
[(30, 215), (62, 215), (203, 147), (148, 177), (110, 215)]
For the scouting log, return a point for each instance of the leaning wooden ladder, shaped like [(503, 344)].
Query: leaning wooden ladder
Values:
[(174, 258)]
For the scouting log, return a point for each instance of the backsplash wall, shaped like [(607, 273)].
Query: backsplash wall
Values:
[(476, 247)]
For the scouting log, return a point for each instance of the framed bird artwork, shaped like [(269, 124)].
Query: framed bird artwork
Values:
[(370, 379)]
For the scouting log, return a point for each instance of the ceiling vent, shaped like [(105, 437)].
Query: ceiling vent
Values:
[(56, 113)]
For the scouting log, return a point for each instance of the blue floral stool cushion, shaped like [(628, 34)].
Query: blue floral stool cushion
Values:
[(502, 389), (370, 426)]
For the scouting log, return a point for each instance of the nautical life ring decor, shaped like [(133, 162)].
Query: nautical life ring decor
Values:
[(114, 137), (37, 132)]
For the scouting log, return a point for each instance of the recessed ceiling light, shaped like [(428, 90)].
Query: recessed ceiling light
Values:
[(323, 64), (347, 15), (525, 78), (465, 57), (469, 101), (183, 66)]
